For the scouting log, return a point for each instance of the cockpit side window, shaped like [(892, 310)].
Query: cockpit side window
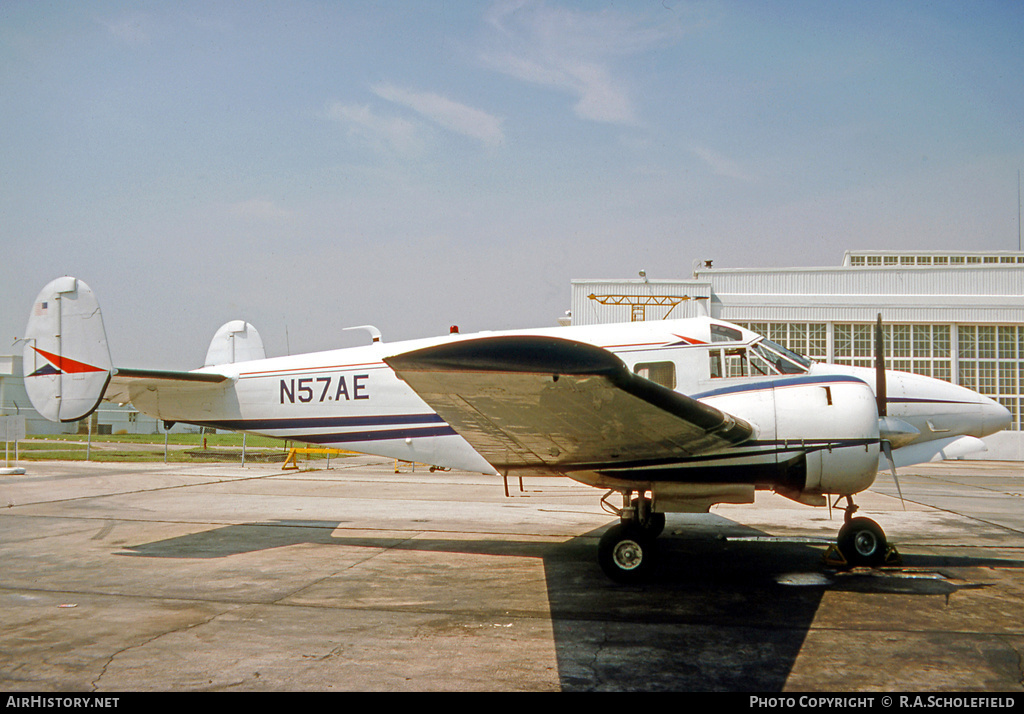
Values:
[(663, 373), (762, 359), (759, 365), (785, 361)]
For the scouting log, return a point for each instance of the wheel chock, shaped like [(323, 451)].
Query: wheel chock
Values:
[(834, 557)]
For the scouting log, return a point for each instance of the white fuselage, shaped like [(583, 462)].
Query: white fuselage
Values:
[(350, 399)]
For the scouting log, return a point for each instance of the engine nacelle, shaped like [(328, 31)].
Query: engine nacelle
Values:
[(815, 435), (834, 423)]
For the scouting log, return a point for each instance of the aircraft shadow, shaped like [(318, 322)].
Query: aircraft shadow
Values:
[(716, 615), (727, 608), (236, 539)]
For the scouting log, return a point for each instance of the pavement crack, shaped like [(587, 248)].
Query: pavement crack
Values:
[(95, 685)]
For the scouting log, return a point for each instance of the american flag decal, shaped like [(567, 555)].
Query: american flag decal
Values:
[(40, 309)]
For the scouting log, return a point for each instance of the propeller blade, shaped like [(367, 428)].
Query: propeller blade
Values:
[(883, 403), (887, 448), (880, 394)]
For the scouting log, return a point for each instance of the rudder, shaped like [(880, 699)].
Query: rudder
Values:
[(66, 360)]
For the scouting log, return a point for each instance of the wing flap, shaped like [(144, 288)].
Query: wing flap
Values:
[(529, 403)]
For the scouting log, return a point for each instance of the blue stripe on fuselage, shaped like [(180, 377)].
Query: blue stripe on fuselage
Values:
[(763, 385), (324, 422), (404, 426)]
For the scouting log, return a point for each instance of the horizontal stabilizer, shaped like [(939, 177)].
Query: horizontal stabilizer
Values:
[(530, 403), (68, 369), (144, 387)]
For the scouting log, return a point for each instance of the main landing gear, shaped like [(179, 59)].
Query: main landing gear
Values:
[(625, 551), (861, 542)]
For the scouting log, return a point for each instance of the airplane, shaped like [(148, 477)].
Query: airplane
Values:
[(670, 416)]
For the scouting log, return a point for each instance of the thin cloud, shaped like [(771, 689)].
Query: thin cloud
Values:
[(378, 131), (132, 30), (720, 164), (572, 51), (446, 113)]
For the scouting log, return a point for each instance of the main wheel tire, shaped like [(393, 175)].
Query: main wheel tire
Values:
[(625, 553), (655, 525), (862, 542)]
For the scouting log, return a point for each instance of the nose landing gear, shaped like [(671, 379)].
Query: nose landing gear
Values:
[(861, 542)]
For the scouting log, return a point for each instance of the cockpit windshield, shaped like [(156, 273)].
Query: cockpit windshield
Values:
[(782, 360)]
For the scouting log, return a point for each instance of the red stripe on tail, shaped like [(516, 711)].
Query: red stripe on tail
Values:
[(66, 365)]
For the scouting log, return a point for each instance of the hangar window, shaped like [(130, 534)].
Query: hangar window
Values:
[(923, 349), (992, 363), (663, 373), (809, 339)]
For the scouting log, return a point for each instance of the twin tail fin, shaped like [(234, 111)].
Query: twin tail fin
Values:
[(66, 360)]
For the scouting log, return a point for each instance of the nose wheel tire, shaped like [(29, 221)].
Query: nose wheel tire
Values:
[(625, 553), (862, 542)]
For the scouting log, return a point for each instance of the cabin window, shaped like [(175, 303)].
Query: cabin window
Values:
[(736, 363), (715, 363), (721, 333), (663, 373)]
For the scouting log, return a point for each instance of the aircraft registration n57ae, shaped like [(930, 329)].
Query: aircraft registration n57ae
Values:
[(671, 415)]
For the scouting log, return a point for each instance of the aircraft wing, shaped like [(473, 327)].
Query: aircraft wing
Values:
[(127, 385), (549, 405)]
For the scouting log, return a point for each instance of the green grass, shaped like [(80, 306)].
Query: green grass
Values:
[(220, 447), (212, 440)]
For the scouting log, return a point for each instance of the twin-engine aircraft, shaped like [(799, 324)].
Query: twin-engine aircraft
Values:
[(674, 416)]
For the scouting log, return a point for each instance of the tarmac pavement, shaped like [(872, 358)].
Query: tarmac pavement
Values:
[(200, 577)]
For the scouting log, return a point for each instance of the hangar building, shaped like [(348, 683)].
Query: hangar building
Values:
[(957, 316)]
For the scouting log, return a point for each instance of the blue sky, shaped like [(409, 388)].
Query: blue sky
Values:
[(314, 165)]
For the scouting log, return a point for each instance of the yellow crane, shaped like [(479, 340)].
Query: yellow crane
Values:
[(638, 303)]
